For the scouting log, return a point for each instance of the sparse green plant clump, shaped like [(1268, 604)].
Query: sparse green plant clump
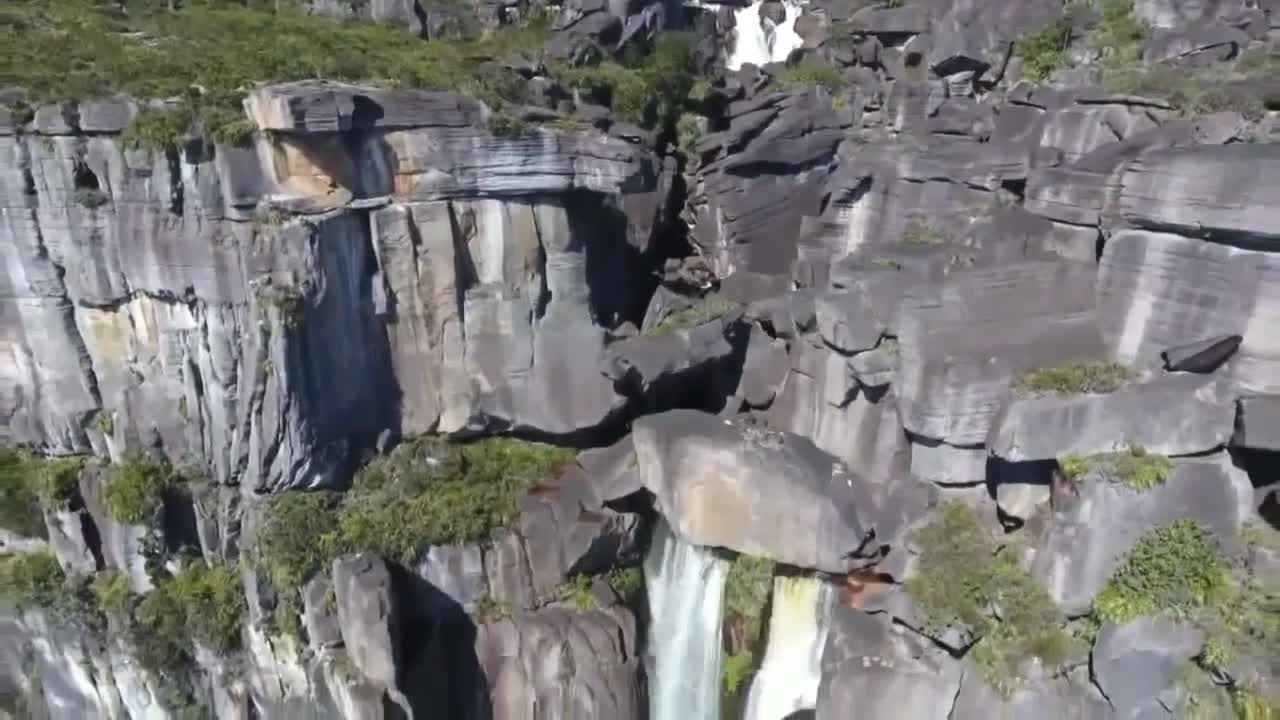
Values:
[(627, 582), (735, 670), (489, 610), (704, 310), (426, 492), (579, 592), (103, 422), (288, 301), (111, 588), (688, 132), (814, 74), (1134, 467), (966, 581), (29, 482), (136, 487), (1074, 377), (1119, 35), (650, 91), (1045, 50), (212, 603), (74, 49), (1259, 62), (35, 581), (919, 232), (1191, 92), (1174, 568), (746, 592)]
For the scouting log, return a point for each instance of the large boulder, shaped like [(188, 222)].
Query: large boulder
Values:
[(368, 619), (760, 492)]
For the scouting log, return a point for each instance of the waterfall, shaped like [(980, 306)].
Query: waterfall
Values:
[(788, 678), (686, 589), (758, 41)]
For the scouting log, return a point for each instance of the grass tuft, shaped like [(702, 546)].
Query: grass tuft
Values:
[(1074, 377), (1134, 467), (966, 581), (1174, 568), (704, 310)]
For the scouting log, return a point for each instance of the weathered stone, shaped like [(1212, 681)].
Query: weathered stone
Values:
[(369, 618), (319, 612), (1204, 356), (1136, 662), (1259, 425), (756, 491)]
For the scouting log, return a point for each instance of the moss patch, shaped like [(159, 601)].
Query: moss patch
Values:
[(920, 232), (28, 483), (965, 580), (426, 492), (1074, 377), (1134, 467), (708, 308)]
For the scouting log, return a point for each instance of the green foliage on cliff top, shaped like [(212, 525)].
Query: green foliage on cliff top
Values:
[(29, 482), (1134, 467), (1074, 377), (1119, 35), (966, 580), (74, 49), (136, 487), (649, 91), (1044, 50), (425, 492)]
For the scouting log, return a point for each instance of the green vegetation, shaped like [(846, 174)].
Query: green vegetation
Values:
[(746, 592), (920, 232), (28, 483), (136, 487), (815, 74), (1134, 467), (1191, 92), (1259, 62), (627, 582), (735, 670), (158, 128), (579, 592), (651, 91), (688, 132), (967, 581), (212, 604), (111, 588), (1119, 35), (36, 581), (489, 610), (209, 52), (1174, 568), (1074, 377), (1045, 50), (103, 422), (426, 492), (705, 309)]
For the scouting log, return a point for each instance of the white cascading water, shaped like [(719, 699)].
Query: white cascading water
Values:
[(758, 41), (788, 678), (686, 590)]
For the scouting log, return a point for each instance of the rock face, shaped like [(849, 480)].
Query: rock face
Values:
[(749, 489), (795, 323)]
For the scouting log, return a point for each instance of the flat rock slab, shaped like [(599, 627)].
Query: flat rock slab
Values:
[(1226, 190), (1097, 521), (961, 341), (760, 492), (1157, 290), (1170, 415), (1136, 662)]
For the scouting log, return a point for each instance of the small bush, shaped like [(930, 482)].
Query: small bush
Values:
[(504, 125), (1120, 36), (1074, 377), (650, 92), (35, 581), (735, 670), (489, 610), (1045, 50), (578, 592), (1134, 467), (136, 488), (212, 603), (29, 482), (157, 129), (1175, 568), (688, 132), (626, 582), (814, 74), (103, 422), (708, 308), (919, 232), (111, 588), (965, 580), (746, 592)]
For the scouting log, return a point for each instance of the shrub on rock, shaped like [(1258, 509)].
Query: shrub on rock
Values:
[(1174, 568), (1134, 467), (1074, 377)]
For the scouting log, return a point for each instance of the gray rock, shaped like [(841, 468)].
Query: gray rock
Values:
[(668, 359), (319, 612), (1259, 425), (507, 568), (566, 664), (710, 476), (1095, 522), (369, 621), (1057, 698), (1160, 191), (1156, 290), (1137, 662), (456, 570), (1204, 356), (612, 470), (110, 114), (1199, 417)]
